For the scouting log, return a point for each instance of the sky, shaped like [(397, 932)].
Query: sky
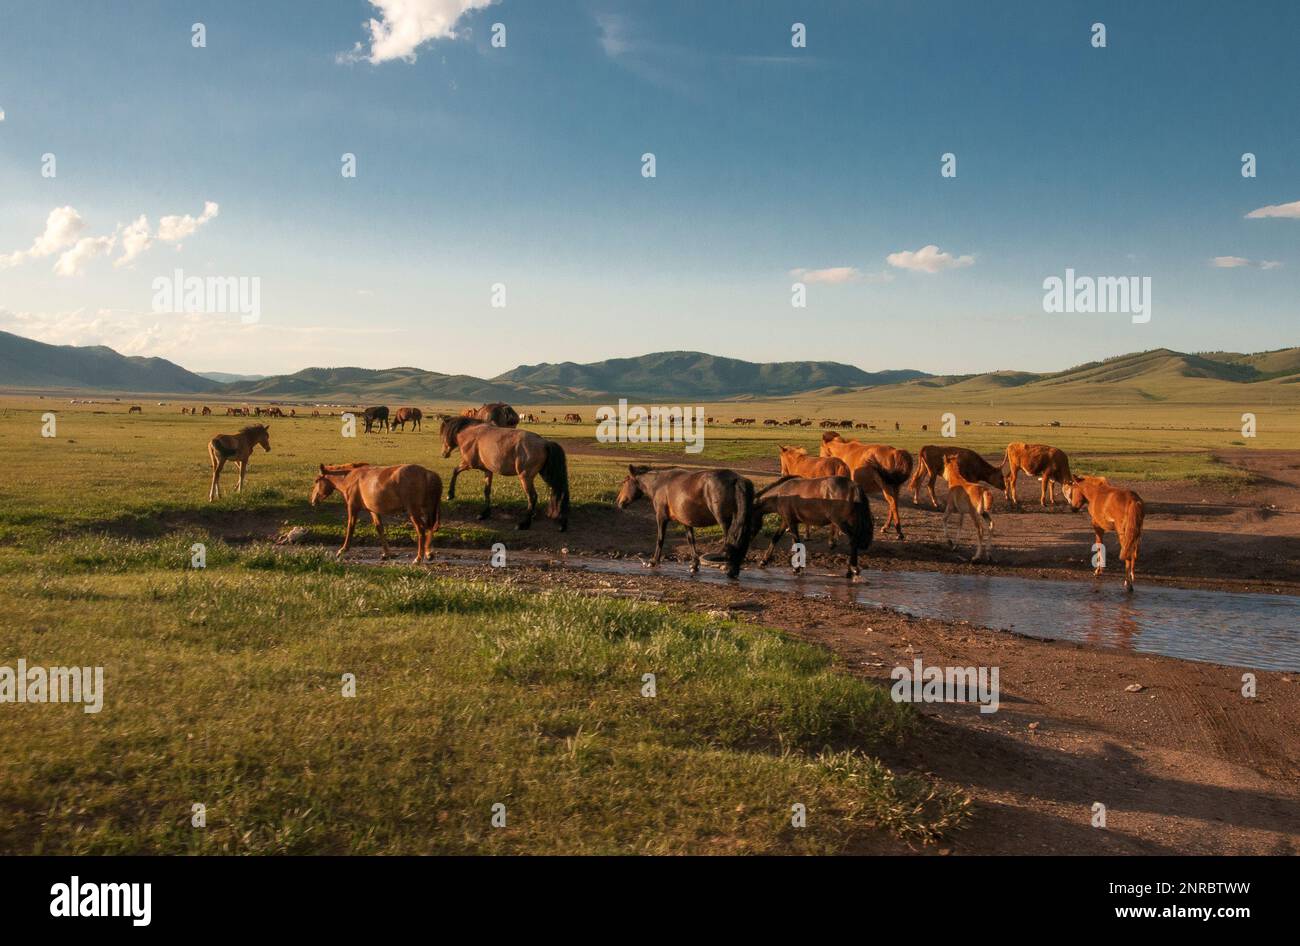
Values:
[(481, 166)]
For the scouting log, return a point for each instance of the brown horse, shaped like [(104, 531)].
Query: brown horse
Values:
[(404, 414), (373, 415), (966, 498), (893, 467), (512, 452), (970, 464), (1120, 510), (499, 413), (834, 501), (384, 491), (1049, 464), (135, 409), (696, 499), (572, 418), (237, 447)]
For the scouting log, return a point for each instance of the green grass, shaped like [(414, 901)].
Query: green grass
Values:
[(224, 687)]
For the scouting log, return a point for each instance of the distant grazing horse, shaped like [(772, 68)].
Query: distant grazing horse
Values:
[(206, 410), (893, 467), (1112, 508), (966, 498), (970, 464), (529, 418), (384, 491), (237, 447), (1049, 464), (373, 415), (404, 414), (499, 413), (512, 452), (834, 501), (185, 410), (135, 409), (572, 418), (696, 499)]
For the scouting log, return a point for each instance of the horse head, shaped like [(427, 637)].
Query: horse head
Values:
[(631, 489)]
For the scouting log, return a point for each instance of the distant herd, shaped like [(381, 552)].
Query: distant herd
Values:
[(831, 489)]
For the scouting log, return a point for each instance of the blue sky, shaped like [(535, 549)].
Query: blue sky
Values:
[(522, 165)]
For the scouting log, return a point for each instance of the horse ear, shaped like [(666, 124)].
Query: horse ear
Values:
[(631, 468), (322, 469)]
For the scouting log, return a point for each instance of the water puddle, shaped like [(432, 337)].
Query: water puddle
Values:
[(1257, 631)]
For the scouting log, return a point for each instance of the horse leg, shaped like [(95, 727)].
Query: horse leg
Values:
[(487, 495), (379, 531), (526, 482), (451, 488), (947, 512), (1100, 535), (347, 533), (853, 550), (1011, 485), (979, 535), (695, 553), (891, 498), (418, 524), (661, 524), (243, 469), (214, 491), (1042, 492), (771, 549)]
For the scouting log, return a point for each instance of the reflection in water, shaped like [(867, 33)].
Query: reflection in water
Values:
[(1248, 630)]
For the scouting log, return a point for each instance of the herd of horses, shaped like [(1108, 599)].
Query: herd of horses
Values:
[(832, 489)]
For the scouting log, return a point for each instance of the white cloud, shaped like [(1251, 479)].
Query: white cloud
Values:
[(613, 34), (405, 25), (173, 229), (135, 240), (61, 229), (1291, 210), (835, 274), (1237, 262), (928, 259), (72, 262)]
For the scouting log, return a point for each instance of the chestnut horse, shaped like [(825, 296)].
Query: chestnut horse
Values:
[(404, 414), (237, 447), (834, 501), (796, 462), (384, 491), (972, 466), (513, 452), (499, 413), (1120, 510), (966, 498), (696, 499), (893, 467), (1049, 464)]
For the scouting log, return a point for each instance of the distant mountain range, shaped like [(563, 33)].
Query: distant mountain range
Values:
[(675, 375)]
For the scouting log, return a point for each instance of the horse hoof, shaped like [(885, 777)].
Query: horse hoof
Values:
[(523, 525)]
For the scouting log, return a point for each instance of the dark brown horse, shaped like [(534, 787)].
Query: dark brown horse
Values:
[(384, 491), (404, 414), (834, 501), (373, 415), (513, 452), (696, 499), (237, 447), (970, 464), (498, 412)]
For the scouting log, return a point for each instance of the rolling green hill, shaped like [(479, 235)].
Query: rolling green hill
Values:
[(25, 363)]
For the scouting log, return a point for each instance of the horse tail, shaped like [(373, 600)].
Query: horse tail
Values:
[(433, 502), (773, 485), (863, 526), (922, 468), (738, 533), (555, 474)]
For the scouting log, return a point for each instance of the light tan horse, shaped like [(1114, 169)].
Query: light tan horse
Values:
[(384, 491), (1049, 464), (966, 498), (512, 452), (237, 447), (1112, 508), (893, 468), (973, 467), (796, 462)]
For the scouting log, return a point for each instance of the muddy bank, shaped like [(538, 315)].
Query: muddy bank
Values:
[(1185, 764)]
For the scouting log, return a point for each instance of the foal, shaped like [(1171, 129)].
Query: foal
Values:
[(237, 447), (966, 498), (381, 491), (1110, 508)]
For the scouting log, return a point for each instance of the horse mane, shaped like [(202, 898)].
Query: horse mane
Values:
[(773, 485), (452, 427), (253, 429)]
